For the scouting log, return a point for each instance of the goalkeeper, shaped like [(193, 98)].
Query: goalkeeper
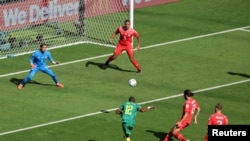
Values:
[(38, 63)]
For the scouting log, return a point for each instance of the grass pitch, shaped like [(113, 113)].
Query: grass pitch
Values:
[(210, 65)]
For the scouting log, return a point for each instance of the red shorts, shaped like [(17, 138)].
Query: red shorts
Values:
[(183, 125), (120, 48)]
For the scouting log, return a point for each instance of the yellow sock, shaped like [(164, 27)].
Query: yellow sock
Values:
[(128, 139)]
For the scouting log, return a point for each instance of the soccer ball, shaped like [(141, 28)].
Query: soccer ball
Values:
[(132, 82)]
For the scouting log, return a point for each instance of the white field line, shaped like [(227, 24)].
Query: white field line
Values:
[(146, 47), (61, 64), (245, 30), (110, 110), (61, 46)]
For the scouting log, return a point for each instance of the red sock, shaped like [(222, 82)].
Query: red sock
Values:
[(168, 136), (110, 58), (179, 137), (136, 64)]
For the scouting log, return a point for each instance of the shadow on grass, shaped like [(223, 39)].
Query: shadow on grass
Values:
[(110, 66), (239, 74), (159, 135), (17, 81)]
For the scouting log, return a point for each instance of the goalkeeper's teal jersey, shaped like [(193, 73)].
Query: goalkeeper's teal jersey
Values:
[(129, 112)]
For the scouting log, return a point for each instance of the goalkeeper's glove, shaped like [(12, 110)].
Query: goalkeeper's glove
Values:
[(32, 66), (56, 62)]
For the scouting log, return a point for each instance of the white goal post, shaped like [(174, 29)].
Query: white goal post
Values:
[(24, 24)]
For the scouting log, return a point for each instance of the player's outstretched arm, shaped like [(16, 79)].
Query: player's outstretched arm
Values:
[(144, 109)]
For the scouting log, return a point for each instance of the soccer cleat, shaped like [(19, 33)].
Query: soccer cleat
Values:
[(20, 86), (59, 85), (104, 66), (139, 72)]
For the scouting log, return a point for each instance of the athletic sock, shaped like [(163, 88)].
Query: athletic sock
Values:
[(136, 64), (179, 137), (168, 136)]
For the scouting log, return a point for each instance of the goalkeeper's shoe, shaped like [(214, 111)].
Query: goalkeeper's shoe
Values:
[(20, 86), (59, 85)]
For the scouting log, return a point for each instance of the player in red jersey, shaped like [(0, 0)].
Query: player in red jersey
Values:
[(125, 44), (218, 118), (190, 108)]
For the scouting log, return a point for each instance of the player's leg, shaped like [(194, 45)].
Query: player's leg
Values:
[(52, 75), (176, 132), (206, 137), (132, 59), (28, 78), (169, 135), (118, 50), (127, 128)]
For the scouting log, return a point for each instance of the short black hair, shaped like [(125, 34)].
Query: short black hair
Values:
[(218, 106), (127, 21), (42, 44), (131, 99), (188, 92)]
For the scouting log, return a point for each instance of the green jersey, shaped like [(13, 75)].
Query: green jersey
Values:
[(129, 112)]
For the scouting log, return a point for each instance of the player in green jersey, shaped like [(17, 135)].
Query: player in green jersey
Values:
[(128, 111)]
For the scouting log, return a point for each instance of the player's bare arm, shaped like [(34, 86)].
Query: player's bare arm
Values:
[(112, 37), (139, 42), (196, 115)]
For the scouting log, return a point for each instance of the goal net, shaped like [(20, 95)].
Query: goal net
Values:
[(25, 24)]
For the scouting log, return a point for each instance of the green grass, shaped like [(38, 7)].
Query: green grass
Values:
[(196, 64)]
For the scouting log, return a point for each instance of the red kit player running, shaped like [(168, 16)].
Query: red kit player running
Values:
[(125, 44), (190, 108), (218, 118)]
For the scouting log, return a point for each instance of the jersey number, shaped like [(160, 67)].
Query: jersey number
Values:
[(219, 122), (124, 38), (128, 110)]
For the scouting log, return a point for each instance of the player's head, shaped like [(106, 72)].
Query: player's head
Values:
[(43, 47), (218, 107), (131, 99), (127, 24), (188, 93)]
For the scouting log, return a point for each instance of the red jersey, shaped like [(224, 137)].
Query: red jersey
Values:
[(126, 35), (189, 106), (217, 119)]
